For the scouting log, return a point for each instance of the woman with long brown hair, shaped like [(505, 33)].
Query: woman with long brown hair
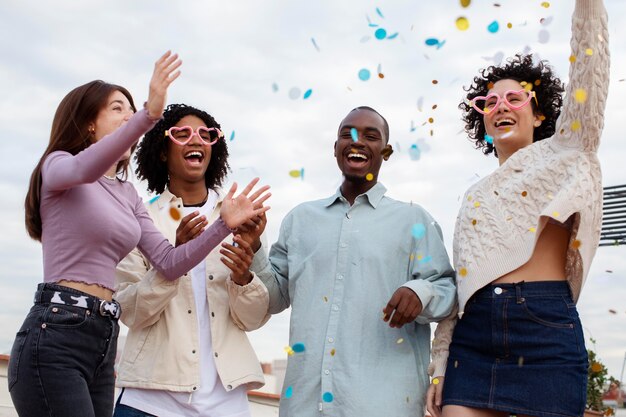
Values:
[(87, 219)]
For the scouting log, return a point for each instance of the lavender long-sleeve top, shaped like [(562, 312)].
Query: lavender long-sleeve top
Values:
[(90, 222)]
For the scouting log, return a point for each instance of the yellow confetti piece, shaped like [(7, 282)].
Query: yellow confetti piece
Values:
[(542, 117), (465, 3), (412, 257), (524, 193), (420, 257), (175, 213), (325, 299), (596, 367), (476, 204), (469, 198), (369, 177), (435, 381), (431, 120), (399, 340), (575, 125), (289, 350), (528, 87), (537, 82), (462, 23), (456, 364), (332, 352), (509, 25), (588, 51), (555, 214), (532, 229), (463, 272), (545, 4), (572, 59), (580, 95), (474, 222), (576, 244)]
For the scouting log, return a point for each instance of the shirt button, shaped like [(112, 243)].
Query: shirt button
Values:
[(229, 387), (339, 276), (216, 354), (211, 277), (497, 290), (327, 372), (195, 388), (193, 351), (54, 309), (189, 311), (343, 244), (212, 314), (331, 340), (336, 307)]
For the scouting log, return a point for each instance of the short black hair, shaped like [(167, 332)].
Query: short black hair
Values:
[(521, 68), (385, 124), (151, 165)]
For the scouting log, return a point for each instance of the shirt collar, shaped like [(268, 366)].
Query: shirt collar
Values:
[(166, 198), (373, 195)]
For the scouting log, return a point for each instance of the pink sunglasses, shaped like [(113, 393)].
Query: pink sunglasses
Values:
[(514, 100), (183, 135)]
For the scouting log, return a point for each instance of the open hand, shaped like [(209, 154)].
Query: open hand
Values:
[(433, 397), (190, 227), (238, 259), (403, 307), (165, 72), (236, 211)]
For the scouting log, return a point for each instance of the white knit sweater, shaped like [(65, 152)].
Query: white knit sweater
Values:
[(502, 215)]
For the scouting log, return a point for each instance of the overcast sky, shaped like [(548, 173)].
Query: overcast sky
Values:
[(250, 63)]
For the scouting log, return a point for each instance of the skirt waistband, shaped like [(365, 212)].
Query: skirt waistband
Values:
[(59, 294)]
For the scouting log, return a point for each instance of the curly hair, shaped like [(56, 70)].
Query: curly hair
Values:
[(521, 68), (151, 165)]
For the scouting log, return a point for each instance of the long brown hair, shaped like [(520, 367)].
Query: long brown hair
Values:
[(70, 133)]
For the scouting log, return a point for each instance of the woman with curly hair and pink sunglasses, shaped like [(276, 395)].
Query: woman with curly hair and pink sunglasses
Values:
[(525, 237)]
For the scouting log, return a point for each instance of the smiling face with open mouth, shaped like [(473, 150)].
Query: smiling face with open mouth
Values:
[(188, 163), (511, 129), (357, 159)]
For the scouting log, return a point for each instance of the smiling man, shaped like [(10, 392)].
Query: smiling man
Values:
[(364, 275)]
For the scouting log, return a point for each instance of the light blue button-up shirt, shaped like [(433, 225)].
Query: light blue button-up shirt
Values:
[(337, 266)]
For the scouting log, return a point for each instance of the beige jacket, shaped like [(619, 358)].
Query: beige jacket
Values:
[(161, 350)]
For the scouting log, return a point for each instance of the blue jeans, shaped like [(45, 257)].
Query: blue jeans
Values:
[(122, 410), (62, 359)]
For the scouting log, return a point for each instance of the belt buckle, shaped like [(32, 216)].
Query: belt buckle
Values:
[(109, 308)]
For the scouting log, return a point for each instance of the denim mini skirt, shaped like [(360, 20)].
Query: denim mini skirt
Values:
[(519, 348)]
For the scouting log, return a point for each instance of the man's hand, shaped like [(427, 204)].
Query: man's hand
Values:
[(190, 227), (238, 259), (403, 307), (252, 230)]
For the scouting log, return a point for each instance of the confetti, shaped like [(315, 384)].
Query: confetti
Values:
[(555, 214), (307, 94), (465, 3), (474, 221), (175, 213), (315, 44), (545, 4), (298, 347), (232, 135), (509, 25), (153, 199), (462, 23), (520, 361), (294, 93), (609, 271), (476, 204), (369, 176), (588, 51), (354, 134), (576, 244), (580, 95), (493, 26), (380, 71), (612, 311), (463, 272), (546, 20), (524, 193), (575, 125), (431, 120), (297, 173), (435, 82), (456, 364), (435, 42), (328, 397), (380, 34), (395, 35), (379, 13), (289, 350), (274, 87), (332, 352), (489, 139), (364, 74), (289, 392), (325, 299), (414, 152), (418, 230), (572, 58), (435, 381), (399, 340), (532, 229)]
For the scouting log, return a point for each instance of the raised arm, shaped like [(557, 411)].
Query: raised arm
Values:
[(582, 119)]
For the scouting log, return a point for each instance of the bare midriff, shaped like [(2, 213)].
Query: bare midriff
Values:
[(547, 262), (91, 289)]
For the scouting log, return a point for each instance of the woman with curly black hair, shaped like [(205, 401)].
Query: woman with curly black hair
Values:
[(186, 352), (525, 237)]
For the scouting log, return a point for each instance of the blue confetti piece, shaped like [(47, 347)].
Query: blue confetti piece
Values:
[(493, 26), (274, 87), (442, 43), (379, 13), (364, 74), (289, 392), (489, 139), (354, 134), (328, 397), (380, 34), (307, 94), (395, 35), (427, 259), (232, 136), (414, 152), (153, 199), (298, 347), (418, 230), (373, 25), (432, 41), (315, 44)]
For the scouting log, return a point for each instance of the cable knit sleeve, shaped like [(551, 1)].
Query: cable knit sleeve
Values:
[(582, 119), (441, 344)]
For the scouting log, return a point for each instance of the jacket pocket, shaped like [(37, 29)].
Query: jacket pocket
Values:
[(16, 353)]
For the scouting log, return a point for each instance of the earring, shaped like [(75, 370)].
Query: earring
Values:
[(92, 130)]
